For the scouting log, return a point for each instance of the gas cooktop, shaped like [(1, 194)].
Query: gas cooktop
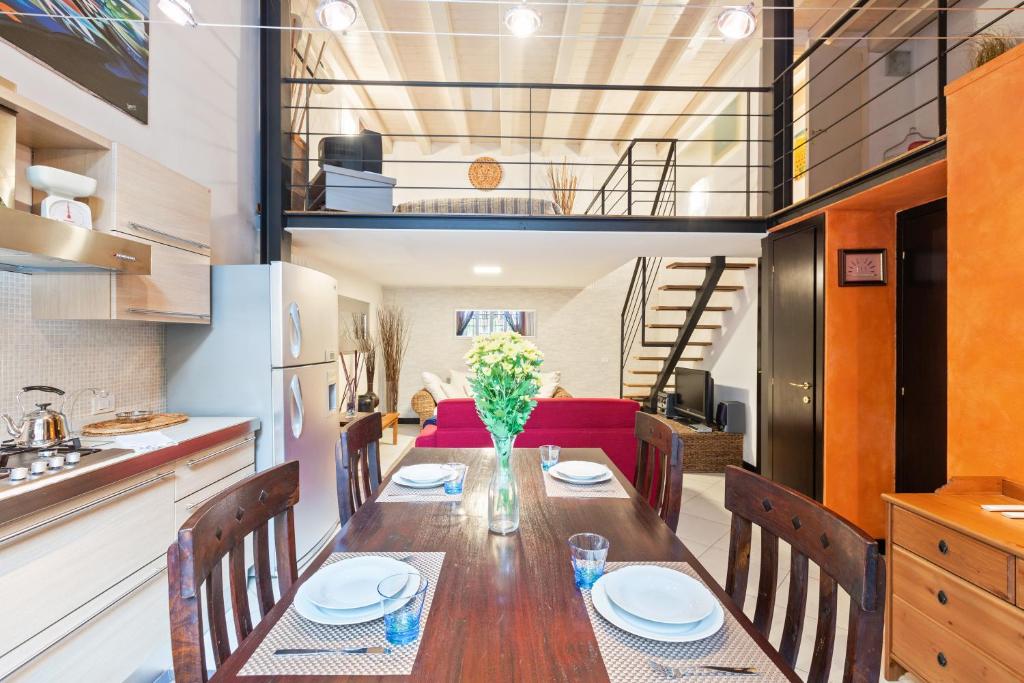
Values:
[(19, 464)]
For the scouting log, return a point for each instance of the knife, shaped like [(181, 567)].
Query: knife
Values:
[(742, 670), (372, 650)]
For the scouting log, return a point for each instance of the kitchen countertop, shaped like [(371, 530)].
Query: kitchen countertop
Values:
[(17, 500)]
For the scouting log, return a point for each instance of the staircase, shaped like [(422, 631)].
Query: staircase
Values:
[(674, 313)]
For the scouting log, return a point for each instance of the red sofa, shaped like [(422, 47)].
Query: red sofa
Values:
[(605, 423)]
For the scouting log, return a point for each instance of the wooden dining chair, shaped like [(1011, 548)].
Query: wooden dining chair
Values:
[(847, 557), (358, 466), (195, 562), (659, 466)]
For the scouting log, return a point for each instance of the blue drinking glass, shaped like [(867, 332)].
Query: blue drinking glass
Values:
[(549, 456), (588, 553), (402, 596), (453, 484)]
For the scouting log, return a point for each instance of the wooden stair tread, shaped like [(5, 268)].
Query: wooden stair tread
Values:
[(703, 265), (712, 309), (635, 385), (694, 288), (662, 358), (679, 326)]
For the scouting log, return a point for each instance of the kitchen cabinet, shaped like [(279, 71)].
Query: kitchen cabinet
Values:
[(141, 200), (87, 577)]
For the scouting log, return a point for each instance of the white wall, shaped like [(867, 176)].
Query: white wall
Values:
[(732, 360), (577, 330), (203, 112)]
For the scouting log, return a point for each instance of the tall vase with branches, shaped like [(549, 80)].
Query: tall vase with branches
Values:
[(563, 183), (357, 337), (393, 331)]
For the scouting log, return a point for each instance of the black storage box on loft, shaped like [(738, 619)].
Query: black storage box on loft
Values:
[(362, 152)]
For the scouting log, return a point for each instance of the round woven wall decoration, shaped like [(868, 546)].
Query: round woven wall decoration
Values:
[(485, 173)]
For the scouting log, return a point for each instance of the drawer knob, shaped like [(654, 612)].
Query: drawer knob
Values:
[(943, 547), (943, 598), (941, 659)]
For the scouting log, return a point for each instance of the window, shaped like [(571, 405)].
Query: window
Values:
[(474, 322)]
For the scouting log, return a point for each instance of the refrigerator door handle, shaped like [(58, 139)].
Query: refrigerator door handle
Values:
[(297, 412), (296, 331)]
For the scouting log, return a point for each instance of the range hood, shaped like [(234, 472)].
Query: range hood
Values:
[(30, 243)]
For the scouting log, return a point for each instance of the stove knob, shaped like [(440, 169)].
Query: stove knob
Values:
[(37, 466), (72, 458), (19, 473), (55, 462), (48, 453)]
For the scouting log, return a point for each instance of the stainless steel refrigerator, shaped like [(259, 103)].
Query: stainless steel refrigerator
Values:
[(271, 352)]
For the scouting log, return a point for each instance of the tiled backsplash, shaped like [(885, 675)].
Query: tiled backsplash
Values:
[(125, 358)]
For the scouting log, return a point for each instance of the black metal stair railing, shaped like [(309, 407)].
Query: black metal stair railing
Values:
[(633, 320), (623, 192)]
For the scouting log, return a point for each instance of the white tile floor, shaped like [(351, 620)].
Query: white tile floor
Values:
[(704, 528)]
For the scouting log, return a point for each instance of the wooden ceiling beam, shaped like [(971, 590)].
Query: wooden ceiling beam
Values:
[(388, 54), (562, 100), (441, 20)]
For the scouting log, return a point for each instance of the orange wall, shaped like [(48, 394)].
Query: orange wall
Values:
[(985, 156), (860, 373)]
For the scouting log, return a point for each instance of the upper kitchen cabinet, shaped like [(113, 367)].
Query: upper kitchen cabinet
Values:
[(138, 199), (136, 196)]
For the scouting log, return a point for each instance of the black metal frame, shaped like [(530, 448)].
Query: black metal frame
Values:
[(273, 92)]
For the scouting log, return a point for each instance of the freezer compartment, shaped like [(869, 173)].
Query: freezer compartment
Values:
[(303, 316), (306, 421)]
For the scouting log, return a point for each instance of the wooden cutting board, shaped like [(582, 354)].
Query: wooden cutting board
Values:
[(115, 427)]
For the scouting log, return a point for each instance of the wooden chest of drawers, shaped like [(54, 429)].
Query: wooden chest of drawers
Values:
[(955, 599)]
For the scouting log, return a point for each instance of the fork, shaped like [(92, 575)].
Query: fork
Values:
[(680, 672)]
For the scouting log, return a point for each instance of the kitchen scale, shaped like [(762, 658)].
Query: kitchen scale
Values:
[(62, 187)]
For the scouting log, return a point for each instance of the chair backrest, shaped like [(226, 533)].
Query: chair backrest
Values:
[(659, 466), (358, 469), (848, 558), (217, 529)]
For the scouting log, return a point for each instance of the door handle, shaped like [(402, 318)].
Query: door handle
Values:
[(296, 337), (298, 413), (802, 385)]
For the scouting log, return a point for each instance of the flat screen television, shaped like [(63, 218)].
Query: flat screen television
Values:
[(696, 392)]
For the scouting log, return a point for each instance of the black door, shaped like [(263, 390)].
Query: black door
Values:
[(791, 352), (921, 349)]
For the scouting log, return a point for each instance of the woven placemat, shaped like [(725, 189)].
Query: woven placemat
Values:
[(293, 631), (625, 655), (396, 493), (556, 488)]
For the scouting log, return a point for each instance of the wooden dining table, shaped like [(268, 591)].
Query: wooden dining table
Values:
[(505, 608)]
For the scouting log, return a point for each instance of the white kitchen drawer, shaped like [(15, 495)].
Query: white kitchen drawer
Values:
[(184, 508), (205, 467), (126, 637), (70, 553)]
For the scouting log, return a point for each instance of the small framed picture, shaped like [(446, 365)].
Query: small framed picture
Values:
[(861, 267)]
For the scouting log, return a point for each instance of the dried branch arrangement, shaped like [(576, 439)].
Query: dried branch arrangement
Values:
[(358, 334), (563, 184), (393, 330), (988, 45)]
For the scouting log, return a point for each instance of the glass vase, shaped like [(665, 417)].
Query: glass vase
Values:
[(503, 494)]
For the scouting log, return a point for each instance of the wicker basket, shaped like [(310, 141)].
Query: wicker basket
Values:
[(710, 452)]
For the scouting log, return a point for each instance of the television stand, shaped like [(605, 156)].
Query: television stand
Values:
[(711, 451)]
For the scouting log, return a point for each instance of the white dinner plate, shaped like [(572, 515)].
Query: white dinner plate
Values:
[(665, 633), (659, 594), (419, 484), (580, 482), (580, 469), (424, 473), (352, 584), (337, 617)]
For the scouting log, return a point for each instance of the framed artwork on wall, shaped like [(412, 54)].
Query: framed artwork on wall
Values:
[(101, 46), (862, 267)]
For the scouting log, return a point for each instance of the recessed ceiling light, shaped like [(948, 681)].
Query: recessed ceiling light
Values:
[(487, 270), (178, 11), (736, 23), (522, 21), (336, 15)]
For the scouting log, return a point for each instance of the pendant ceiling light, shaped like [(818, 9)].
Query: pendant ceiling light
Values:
[(336, 15), (736, 23), (522, 21), (178, 11)]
